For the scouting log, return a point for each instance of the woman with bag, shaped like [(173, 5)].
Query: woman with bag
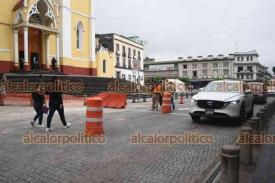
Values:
[(39, 105)]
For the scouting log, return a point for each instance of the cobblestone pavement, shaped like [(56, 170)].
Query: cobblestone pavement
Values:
[(115, 161)]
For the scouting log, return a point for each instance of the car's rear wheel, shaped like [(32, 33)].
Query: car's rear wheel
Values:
[(195, 118)]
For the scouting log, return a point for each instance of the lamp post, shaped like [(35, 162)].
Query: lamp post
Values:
[(136, 66)]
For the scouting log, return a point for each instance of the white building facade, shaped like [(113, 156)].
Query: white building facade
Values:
[(240, 65), (129, 59), (209, 68), (248, 68), (128, 56)]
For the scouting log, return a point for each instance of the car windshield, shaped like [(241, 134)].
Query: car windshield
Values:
[(234, 87)]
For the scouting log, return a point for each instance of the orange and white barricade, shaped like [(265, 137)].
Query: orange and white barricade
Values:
[(94, 117), (166, 103)]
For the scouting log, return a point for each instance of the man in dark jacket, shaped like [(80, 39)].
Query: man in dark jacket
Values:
[(56, 103), (38, 103)]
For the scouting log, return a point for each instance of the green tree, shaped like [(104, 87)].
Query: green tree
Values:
[(273, 69), (217, 79), (185, 80), (153, 79)]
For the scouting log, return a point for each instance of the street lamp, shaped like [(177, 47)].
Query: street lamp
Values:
[(136, 67)]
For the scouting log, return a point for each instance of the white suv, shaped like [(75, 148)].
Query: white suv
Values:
[(223, 99)]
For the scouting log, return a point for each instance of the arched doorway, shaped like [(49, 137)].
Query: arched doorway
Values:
[(35, 48), (31, 35)]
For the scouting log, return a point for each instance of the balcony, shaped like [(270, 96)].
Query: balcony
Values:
[(161, 73), (117, 52), (245, 71)]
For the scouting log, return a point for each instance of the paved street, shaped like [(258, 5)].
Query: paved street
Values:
[(117, 160)]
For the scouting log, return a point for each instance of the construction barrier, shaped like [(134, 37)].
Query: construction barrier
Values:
[(25, 99), (113, 100), (166, 103), (18, 99), (94, 117)]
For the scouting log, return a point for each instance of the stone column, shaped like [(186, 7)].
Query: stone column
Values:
[(246, 147), (57, 52), (230, 164), (262, 120), (47, 50), (255, 124), (26, 49), (15, 50)]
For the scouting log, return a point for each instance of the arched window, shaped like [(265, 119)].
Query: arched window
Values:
[(79, 35), (104, 66)]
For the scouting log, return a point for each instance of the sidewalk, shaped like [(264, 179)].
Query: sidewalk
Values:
[(263, 168)]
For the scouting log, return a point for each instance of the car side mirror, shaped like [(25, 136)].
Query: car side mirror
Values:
[(201, 89)]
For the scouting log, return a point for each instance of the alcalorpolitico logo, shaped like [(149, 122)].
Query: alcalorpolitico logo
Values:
[(171, 139), (62, 139)]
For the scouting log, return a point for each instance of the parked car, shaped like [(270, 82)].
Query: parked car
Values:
[(223, 99), (271, 92), (259, 91), (271, 87)]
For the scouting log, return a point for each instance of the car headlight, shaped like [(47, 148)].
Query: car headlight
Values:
[(193, 101), (234, 102)]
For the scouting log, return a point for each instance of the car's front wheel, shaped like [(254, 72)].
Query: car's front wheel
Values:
[(195, 118)]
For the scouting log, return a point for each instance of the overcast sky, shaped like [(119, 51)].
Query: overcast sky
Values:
[(174, 28)]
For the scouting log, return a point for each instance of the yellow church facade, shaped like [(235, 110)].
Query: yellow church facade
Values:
[(47, 35)]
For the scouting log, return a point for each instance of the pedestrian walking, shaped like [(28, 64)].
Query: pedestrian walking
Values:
[(56, 104), (38, 104), (172, 89), (156, 96), (173, 102)]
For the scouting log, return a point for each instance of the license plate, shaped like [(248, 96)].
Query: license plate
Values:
[(209, 111)]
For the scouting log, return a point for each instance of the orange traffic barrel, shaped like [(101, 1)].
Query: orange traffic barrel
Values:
[(94, 117), (166, 103)]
